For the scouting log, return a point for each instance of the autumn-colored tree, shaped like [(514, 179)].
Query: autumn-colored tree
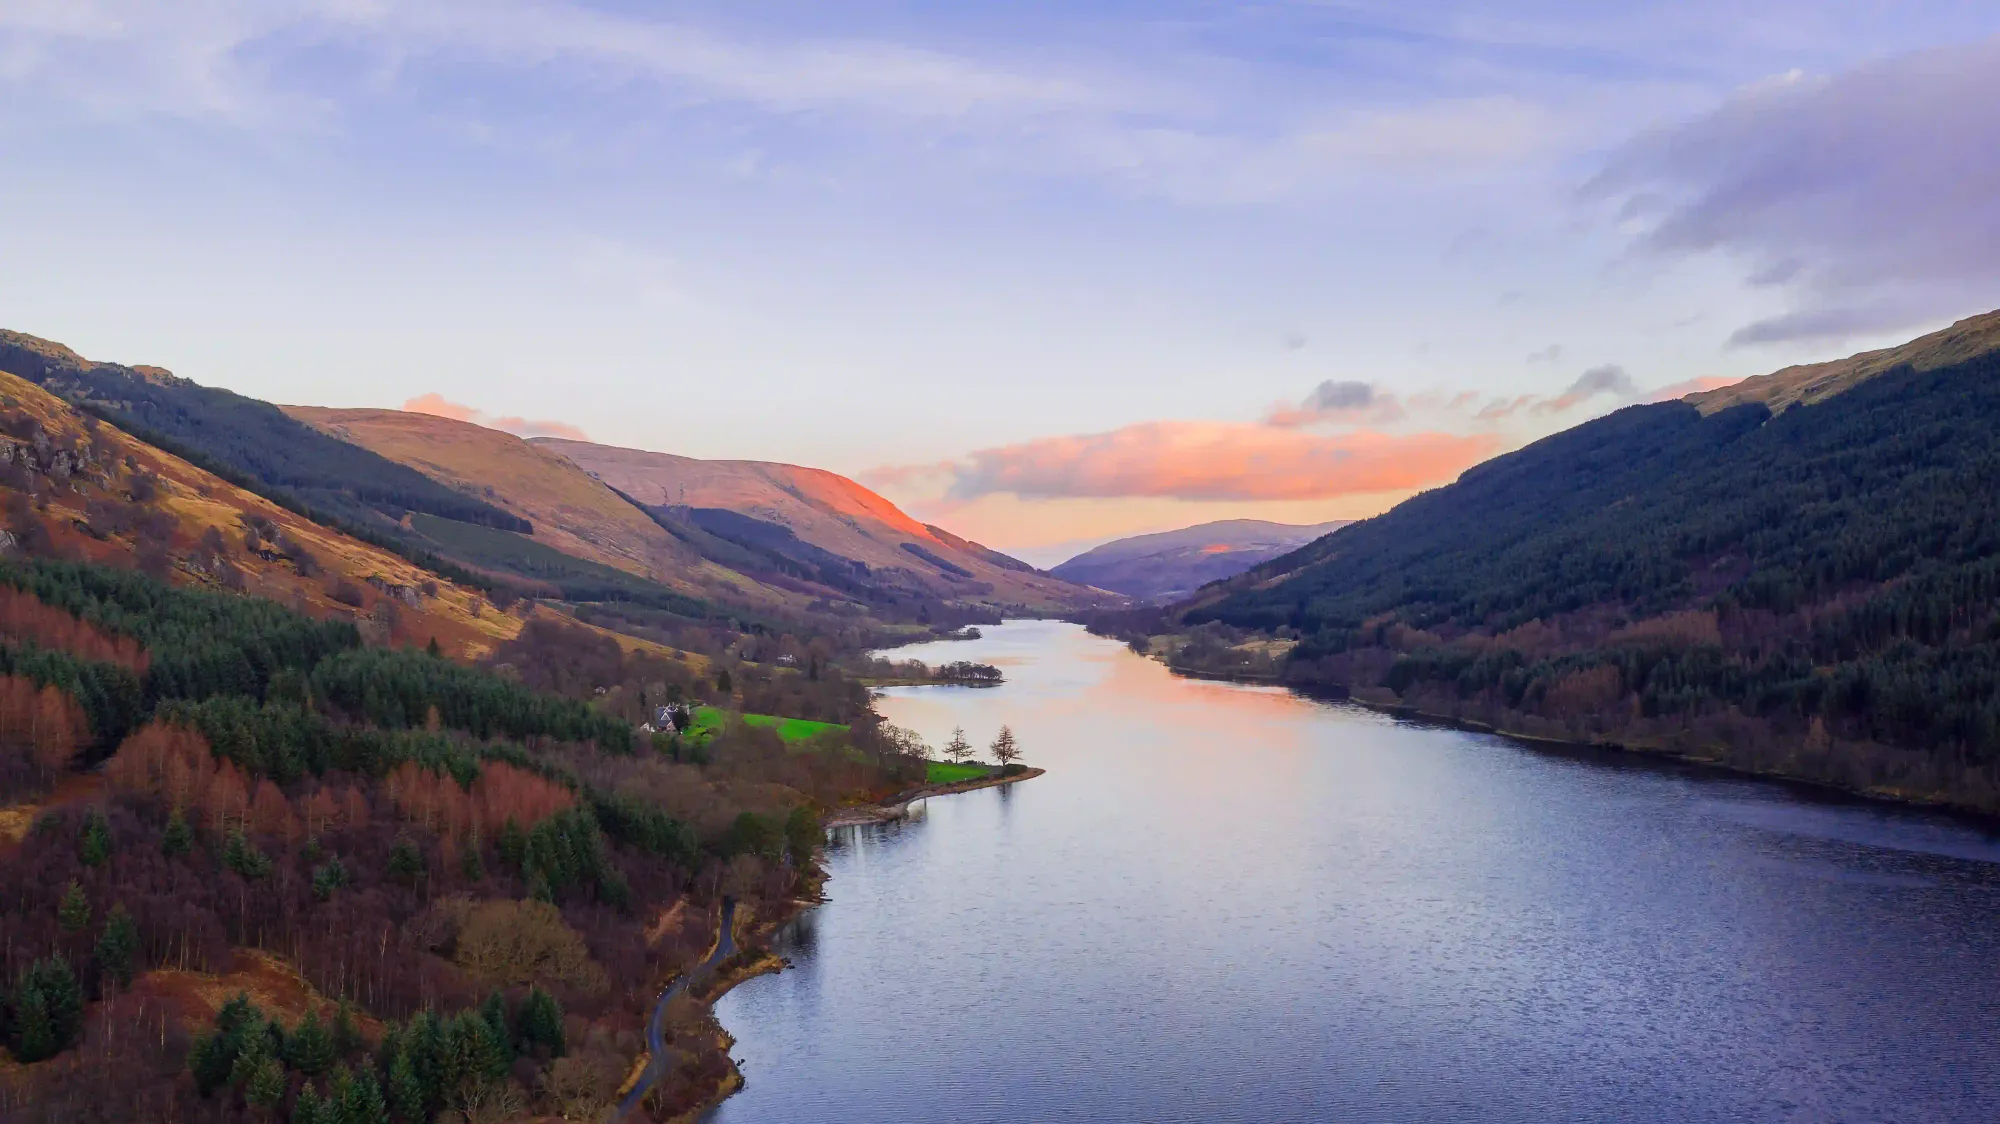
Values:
[(25, 617)]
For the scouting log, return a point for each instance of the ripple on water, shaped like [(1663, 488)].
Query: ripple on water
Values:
[(1231, 904)]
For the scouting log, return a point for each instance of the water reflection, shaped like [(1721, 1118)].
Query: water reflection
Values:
[(1228, 903)]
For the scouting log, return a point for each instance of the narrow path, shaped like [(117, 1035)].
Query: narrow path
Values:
[(725, 947)]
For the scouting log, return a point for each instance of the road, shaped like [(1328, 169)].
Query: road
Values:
[(725, 947)]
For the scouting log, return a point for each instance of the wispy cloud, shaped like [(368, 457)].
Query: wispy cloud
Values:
[(1866, 197), (438, 405)]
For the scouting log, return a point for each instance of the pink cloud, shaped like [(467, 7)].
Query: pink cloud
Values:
[(1219, 461), (1691, 386), (437, 405)]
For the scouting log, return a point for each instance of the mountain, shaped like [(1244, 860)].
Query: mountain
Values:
[(569, 511), (253, 438), (1813, 591), (1173, 564), (80, 489), (819, 527)]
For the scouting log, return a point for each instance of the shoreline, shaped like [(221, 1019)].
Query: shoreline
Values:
[(1636, 750), (855, 815), (753, 956)]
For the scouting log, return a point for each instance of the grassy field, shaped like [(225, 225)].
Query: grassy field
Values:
[(709, 719), (943, 772)]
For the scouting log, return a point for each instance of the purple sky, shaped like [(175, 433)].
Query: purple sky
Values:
[(1045, 272)]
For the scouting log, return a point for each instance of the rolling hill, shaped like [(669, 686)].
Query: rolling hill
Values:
[(79, 488), (821, 528), (1813, 591), (1170, 565), (569, 511)]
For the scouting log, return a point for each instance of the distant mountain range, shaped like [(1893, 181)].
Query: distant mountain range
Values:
[(1173, 564)]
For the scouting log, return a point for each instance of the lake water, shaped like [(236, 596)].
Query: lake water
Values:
[(1228, 903)]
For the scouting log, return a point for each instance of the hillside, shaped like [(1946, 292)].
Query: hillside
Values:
[(281, 457), (568, 510), (1170, 565), (820, 527), (1815, 593), (84, 489), (1812, 382)]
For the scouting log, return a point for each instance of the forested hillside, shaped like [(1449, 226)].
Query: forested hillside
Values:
[(1815, 593), (431, 890), (287, 822)]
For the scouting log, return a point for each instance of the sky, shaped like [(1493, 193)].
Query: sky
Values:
[(1045, 273)]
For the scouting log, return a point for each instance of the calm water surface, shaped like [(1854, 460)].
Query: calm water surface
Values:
[(1227, 903)]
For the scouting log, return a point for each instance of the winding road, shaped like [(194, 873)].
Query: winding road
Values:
[(725, 947)]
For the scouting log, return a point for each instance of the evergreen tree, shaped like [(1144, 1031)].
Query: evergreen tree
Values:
[(266, 1087), (361, 1102), (243, 857), (328, 877), (470, 864), (406, 1090), (802, 834), (95, 846), (210, 1061), (308, 1108), (31, 1030), (252, 1052), (74, 912), (494, 1011), (179, 838), (513, 844), (346, 1037), (309, 1048), (539, 1028), (406, 864), (117, 945)]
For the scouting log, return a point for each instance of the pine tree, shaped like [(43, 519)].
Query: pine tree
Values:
[(117, 945), (64, 998), (308, 1108), (1003, 748), (74, 912), (494, 1011), (513, 844), (210, 1061), (309, 1048), (540, 1025), (406, 1091), (469, 863), (243, 857), (179, 838), (266, 1087), (32, 1035), (405, 863), (254, 1051), (362, 1103), (346, 1037), (95, 846), (958, 749)]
